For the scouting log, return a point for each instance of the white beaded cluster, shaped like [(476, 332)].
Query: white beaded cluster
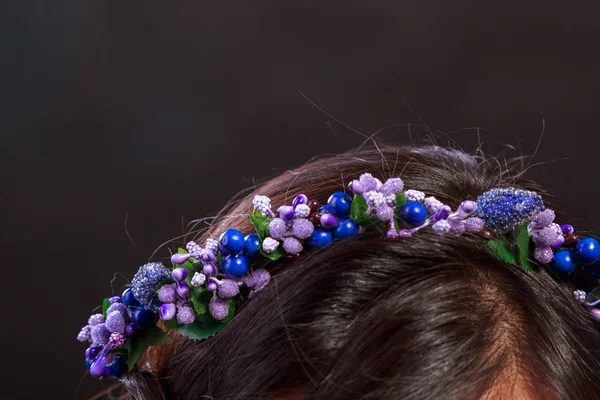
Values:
[(414, 195), (374, 199), (270, 245), (262, 204), (432, 204), (198, 279), (302, 211), (580, 296)]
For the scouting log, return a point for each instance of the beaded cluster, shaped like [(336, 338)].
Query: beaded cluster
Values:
[(196, 297)]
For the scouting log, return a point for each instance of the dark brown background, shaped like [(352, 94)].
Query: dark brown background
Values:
[(167, 111)]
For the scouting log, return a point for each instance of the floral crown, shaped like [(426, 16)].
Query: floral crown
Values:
[(197, 296)]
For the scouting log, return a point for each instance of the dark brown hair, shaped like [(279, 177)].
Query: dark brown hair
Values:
[(368, 318)]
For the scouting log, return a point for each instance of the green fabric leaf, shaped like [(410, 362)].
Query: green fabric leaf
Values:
[(171, 324), (163, 283), (358, 213), (593, 295), (206, 326), (105, 305), (401, 200), (523, 241), (182, 251), (501, 250), (277, 254), (261, 224), (139, 343), (199, 300)]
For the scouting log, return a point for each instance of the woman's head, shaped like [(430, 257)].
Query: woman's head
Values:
[(422, 317)]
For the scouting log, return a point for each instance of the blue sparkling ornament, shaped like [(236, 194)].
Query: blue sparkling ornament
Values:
[(413, 213), (231, 241), (588, 250), (235, 266), (339, 203), (129, 299), (118, 367), (251, 245), (563, 262), (143, 318), (503, 210), (320, 238), (345, 229)]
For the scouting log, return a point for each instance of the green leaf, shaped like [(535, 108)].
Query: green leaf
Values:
[(277, 254), (151, 337), (182, 251), (105, 305), (593, 295), (163, 283), (171, 324), (199, 300), (523, 241), (401, 200), (261, 224), (358, 209), (501, 250), (206, 326)]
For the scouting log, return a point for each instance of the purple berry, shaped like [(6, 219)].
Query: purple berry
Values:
[(100, 334), (114, 299), (328, 220), (167, 293), (115, 322), (209, 270), (356, 187), (544, 218), (468, 207), (185, 315), (595, 312), (178, 259), (546, 237), (392, 186), (228, 288), (208, 256), (129, 329), (183, 290), (368, 182), (567, 229), (277, 228), (218, 308), (302, 228), (258, 279), (544, 254), (211, 285), (179, 274), (120, 307), (473, 224), (300, 199), (85, 334), (92, 352), (167, 311), (116, 340), (96, 319), (384, 212), (292, 245), (286, 213)]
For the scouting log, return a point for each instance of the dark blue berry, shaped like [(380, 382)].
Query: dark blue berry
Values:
[(235, 266), (563, 263), (339, 203), (588, 250), (92, 352), (324, 210), (413, 213), (118, 367), (231, 241), (88, 363), (252, 245), (345, 229), (320, 238), (143, 318), (129, 299)]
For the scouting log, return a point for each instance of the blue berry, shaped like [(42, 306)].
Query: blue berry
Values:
[(251, 245), (129, 299), (324, 210), (413, 213), (588, 250), (320, 238), (235, 266), (345, 229), (88, 363), (231, 241), (143, 318), (118, 367), (563, 262), (340, 203)]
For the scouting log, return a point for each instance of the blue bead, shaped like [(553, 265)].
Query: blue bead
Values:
[(413, 213), (251, 245), (588, 250), (563, 262), (143, 318), (88, 363), (324, 210), (345, 229), (129, 299), (231, 241), (235, 266), (340, 204), (117, 367), (320, 238)]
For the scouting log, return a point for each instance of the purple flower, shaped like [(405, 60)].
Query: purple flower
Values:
[(257, 280), (302, 211), (546, 237), (374, 199), (432, 204), (198, 279), (212, 245), (120, 307), (414, 195), (85, 334), (262, 204), (473, 224), (116, 340), (544, 218), (269, 245), (369, 183), (384, 212), (100, 334), (392, 186), (96, 319), (441, 226), (543, 254), (194, 249)]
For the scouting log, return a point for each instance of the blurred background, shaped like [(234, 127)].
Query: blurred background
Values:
[(163, 112)]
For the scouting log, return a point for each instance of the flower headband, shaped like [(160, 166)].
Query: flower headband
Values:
[(197, 297)]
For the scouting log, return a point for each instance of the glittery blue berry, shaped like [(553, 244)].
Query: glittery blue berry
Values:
[(563, 263), (118, 367), (251, 245), (413, 213), (588, 250), (339, 203), (231, 241), (345, 229), (235, 266), (503, 210), (320, 238), (144, 281), (143, 318)]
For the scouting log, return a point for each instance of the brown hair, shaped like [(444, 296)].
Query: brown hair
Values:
[(370, 318)]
